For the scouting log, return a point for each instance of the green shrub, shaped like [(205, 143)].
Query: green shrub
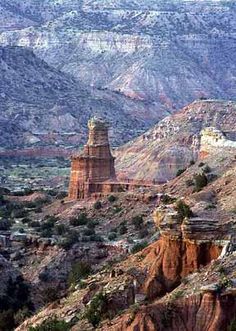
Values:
[(52, 193), (61, 229), (112, 236), (206, 169), (225, 282), (38, 210), (183, 209), (80, 220), (210, 206), (89, 232), (51, 219), (137, 221), (2, 200), (221, 270), (117, 209), (111, 198), (49, 224), (166, 199), (5, 225), (16, 299), (97, 308), (97, 205), (50, 294), (177, 294), (35, 224), (232, 326), (123, 229), (5, 212), (7, 320), (201, 164), (200, 181), (80, 270), (46, 233), (61, 195), (32, 204), (138, 247), (69, 240), (189, 182), (92, 224), (180, 172), (52, 324), (233, 210), (21, 213), (22, 315), (44, 276), (143, 233), (26, 220), (96, 237)]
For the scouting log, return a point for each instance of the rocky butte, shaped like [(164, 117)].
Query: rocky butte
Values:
[(94, 167)]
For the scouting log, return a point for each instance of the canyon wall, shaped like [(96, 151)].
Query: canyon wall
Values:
[(174, 143)]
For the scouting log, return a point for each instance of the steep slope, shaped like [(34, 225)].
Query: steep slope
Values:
[(11, 21), (174, 142), (205, 302), (183, 281), (166, 53), (41, 106)]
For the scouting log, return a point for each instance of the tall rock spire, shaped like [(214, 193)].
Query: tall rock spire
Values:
[(95, 165)]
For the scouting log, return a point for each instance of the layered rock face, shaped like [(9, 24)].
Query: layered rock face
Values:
[(175, 141), (114, 45), (95, 165), (213, 140), (184, 246), (205, 300), (202, 311), (142, 61), (30, 88)]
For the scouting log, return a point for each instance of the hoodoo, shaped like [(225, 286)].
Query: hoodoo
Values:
[(94, 167)]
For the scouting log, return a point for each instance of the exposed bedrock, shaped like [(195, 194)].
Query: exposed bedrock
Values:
[(184, 247), (172, 260), (205, 311)]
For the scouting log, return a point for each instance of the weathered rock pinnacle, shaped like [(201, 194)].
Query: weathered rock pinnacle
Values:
[(95, 165)]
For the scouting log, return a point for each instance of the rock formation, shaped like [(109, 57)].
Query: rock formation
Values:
[(95, 165), (175, 142), (25, 98), (113, 45), (204, 303), (213, 140)]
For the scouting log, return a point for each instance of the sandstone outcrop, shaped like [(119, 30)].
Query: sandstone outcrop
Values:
[(185, 245), (95, 165), (214, 140), (206, 301), (93, 171)]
